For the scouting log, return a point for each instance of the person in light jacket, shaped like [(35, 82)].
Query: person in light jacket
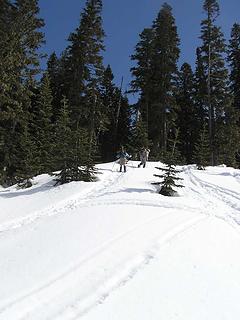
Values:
[(143, 154)]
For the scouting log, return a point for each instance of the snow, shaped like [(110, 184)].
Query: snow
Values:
[(115, 249)]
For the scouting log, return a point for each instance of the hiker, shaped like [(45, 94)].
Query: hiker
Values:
[(123, 157), (143, 154)]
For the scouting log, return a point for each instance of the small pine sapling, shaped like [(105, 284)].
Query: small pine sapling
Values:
[(169, 177), (169, 180)]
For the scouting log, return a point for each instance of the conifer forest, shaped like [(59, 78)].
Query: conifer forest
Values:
[(71, 116)]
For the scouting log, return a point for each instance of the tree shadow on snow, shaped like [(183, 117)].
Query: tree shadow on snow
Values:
[(27, 192)]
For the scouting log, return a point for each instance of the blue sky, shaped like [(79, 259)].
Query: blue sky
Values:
[(123, 20)]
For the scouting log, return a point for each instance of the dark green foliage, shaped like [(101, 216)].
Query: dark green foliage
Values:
[(84, 72), (124, 122), (154, 78), (42, 127), (142, 73), (181, 116), (173, 155), (117, 118), (78, 166), (19, 62), (26, 166), (186, 113), (55, 71), (202, 150), (164, 66), (71, 150), (62, 137), (228, 136), (84, 63), (139, 138), (169, 179), (143, 57), (110, 103), (213, 50), (234, 62), (200, 96)]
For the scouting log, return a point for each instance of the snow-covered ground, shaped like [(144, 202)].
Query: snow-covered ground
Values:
[(117, 250)]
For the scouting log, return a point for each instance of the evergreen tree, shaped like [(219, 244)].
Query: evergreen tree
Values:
[(111, 104), (154, 75), (42, 127), (55, 71), (212, 51), (26, 166), (164, 66), (62, 138), (63, 147), (84, 74), (202, 150), (27, 25), (123, 129), (187, 117), (139, 137), (234, 62), (71, 150), (19, 64), (5, 100), (173, 154), (85, 63), (228, 136), (164, 69), (171, 157), (169, 179), (142, 73), (200, 93)]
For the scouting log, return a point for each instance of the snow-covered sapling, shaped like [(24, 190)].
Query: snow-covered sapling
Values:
[(168, 182)]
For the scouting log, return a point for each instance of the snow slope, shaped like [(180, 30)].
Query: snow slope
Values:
[(115, 249)]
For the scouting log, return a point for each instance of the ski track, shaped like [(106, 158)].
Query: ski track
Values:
[(72, 203), (111, 286), (84, 199), (27, 305), (92, 292), (231, 199)]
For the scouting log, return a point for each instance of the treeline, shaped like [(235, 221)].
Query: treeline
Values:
[(75, 116), (191, 115)]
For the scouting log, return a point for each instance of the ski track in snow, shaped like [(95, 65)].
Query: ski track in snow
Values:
[(92, 292), (80, 308), (229, 198), (27, 306), (62, 206), (84, 199)]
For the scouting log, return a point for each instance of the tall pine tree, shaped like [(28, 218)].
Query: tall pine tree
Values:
[(213, 50), (187, 117), (156, 57), (84, 75), (43, 128), (234, 62), (164, 69), (142, 74), (19, 65)]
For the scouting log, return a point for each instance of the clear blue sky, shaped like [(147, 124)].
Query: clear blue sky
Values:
[(123, 20)]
